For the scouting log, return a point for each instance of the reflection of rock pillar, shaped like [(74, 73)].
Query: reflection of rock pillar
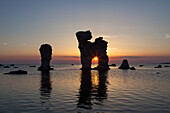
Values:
[(45, 89), (85, 48), (101, 47), (46, 52), (85, 91), (102, 89)]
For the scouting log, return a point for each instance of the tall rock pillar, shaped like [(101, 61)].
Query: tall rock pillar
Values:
[(46, 52)]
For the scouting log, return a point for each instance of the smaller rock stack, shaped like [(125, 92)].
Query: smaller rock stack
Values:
[(124, 65)]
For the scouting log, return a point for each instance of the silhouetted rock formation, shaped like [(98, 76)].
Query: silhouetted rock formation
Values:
[(46, 52), (124, 65), (100, 52), (159, 66), (166, 66), (89, 50), (1, 65), (17, 72), (84, 46)]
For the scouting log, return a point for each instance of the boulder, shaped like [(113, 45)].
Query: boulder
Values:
[(124, 65), (17, 72)]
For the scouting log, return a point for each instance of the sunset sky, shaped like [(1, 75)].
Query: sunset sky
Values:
[(133, 28)]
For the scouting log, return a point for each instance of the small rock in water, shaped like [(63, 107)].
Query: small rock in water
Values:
[(1, 65), (132, 68), (6, 67), (140, 65), (159, 66), (17, 72), (124, 65), (11, 64), (32, 66), (166, 66), (113, 65)]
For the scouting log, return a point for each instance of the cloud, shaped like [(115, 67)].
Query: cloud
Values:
[(131, 57), (66, 56), (4, 43), (113, 36), (167, 36), (23, 44)]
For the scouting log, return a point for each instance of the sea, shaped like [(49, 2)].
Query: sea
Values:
[(67, 89)]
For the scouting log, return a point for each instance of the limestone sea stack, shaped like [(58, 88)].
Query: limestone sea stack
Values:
[(85, 48), (89, 50), (46, 52), (124, 65), (100, 52)]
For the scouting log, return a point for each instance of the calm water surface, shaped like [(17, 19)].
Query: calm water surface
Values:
[(68, 89)]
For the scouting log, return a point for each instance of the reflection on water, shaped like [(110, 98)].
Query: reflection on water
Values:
[(45, 89), (139, 91), (93, 89)]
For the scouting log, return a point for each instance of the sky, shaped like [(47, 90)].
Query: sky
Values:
[(134, 29)]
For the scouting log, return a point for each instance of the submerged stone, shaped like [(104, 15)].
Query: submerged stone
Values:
[(17, 72), (6, 67), (132, 68)]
